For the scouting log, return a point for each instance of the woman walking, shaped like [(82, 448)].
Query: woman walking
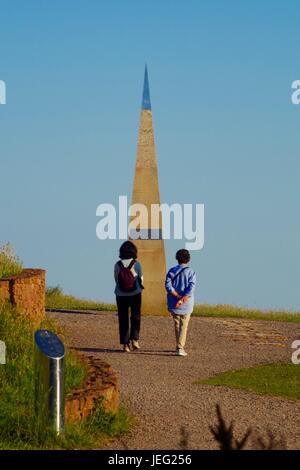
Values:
[(128, 290)]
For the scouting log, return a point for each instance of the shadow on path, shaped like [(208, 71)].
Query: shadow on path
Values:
[(109, 350), (79, 312)]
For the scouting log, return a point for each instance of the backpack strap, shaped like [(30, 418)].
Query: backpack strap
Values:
[(121, 265), (178, 273), (131, 263)]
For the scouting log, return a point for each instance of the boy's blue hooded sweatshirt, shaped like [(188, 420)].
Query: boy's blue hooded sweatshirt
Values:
[(184, 284)]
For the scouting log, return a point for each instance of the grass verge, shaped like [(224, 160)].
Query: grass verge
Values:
[(17, 420), (279, 379), (231, 311), (55, 298)]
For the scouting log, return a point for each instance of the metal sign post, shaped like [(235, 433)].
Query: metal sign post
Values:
[(49, 381)]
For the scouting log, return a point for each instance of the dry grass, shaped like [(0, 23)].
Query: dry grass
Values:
[(10, 264)]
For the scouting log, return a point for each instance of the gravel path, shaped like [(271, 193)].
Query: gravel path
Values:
[(158, 387)]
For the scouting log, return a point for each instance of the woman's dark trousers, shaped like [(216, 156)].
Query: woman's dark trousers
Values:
[(124, 302)]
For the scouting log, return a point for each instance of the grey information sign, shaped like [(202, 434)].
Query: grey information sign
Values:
[(49, 381)]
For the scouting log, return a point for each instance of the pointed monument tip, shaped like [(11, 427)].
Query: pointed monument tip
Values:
[(146, 103)]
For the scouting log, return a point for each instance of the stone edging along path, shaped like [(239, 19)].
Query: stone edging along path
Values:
[(158, 387), (101, 382)]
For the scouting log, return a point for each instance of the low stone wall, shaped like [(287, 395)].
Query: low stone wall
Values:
[(101, 382), (26, 292)]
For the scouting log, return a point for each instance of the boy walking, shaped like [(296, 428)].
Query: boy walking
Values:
[(180, 285)]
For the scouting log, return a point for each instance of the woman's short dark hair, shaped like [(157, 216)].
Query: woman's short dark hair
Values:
[(128, 250), (183, 256)]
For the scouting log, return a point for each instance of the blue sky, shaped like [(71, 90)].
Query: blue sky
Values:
[(226, 135)]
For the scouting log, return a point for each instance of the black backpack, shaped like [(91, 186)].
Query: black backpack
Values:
[(126, 279)]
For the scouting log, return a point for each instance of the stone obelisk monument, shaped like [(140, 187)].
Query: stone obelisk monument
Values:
[(151, 251)]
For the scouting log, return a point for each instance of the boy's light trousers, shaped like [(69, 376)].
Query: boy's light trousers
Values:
[(181, 325)]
